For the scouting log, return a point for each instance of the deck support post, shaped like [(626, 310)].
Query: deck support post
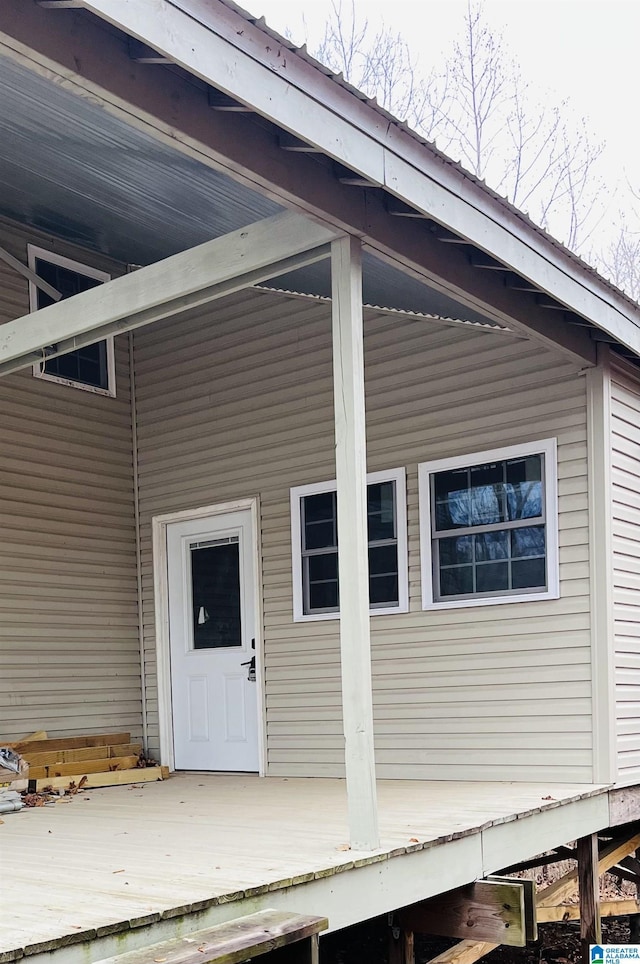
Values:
[(353, 566), (408, 948), (401, 943), (634, 919), (394, 947), (589, 890)]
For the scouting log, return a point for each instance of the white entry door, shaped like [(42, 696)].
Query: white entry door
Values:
[(212, 642)]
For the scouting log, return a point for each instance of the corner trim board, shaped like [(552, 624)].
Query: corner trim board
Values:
[(598, 387)]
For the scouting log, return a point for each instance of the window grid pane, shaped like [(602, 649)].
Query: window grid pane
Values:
[(319, 538), (482, 564), (484, 542)]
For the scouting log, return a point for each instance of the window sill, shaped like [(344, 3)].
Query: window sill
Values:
[(318, 617), (516, 598), (71, 383)]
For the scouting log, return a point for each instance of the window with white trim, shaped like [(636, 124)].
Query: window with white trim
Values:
[(92, 367), (489, 526), (314, 534)]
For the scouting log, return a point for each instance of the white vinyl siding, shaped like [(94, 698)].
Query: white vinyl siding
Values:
[(625, 471), (69, 644), (235, 401)]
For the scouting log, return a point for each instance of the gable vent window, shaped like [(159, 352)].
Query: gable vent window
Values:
[(91, 367)]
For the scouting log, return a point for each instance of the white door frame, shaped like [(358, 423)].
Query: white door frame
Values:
[(161, 608)]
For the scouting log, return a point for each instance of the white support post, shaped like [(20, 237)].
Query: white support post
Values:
[(353, 565)]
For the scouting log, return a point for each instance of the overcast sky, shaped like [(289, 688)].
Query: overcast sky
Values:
[(586, 50)]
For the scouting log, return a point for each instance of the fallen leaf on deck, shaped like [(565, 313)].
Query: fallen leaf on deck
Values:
[(413, 840)]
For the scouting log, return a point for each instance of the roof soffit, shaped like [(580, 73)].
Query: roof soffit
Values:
[(236, 56), (93, 61)]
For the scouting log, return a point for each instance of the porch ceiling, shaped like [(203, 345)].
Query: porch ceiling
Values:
[(70, 168)]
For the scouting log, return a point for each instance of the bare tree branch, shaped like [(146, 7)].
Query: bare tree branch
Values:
[(479, 111), (620, 260)]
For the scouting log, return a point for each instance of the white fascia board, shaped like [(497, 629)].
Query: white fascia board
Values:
[(192, 277), (215, 43)]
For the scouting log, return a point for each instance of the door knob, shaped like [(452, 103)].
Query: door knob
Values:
[(251, 672)]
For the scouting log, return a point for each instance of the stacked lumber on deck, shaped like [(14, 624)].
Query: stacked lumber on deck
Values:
[(13, 773), (13, 770), (82, 762)]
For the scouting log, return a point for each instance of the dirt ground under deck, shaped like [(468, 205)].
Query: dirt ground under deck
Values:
[(557, 943)]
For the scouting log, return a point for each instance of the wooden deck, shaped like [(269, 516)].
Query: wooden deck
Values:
[(126, 866)]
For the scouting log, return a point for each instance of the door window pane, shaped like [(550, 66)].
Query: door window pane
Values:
[(215, 581)]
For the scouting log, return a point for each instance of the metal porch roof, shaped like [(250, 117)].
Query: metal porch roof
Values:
[(70, 168)]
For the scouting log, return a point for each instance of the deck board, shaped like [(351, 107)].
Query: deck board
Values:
[(123, 853)]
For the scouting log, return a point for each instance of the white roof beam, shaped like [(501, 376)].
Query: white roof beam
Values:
[(176, 284)]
